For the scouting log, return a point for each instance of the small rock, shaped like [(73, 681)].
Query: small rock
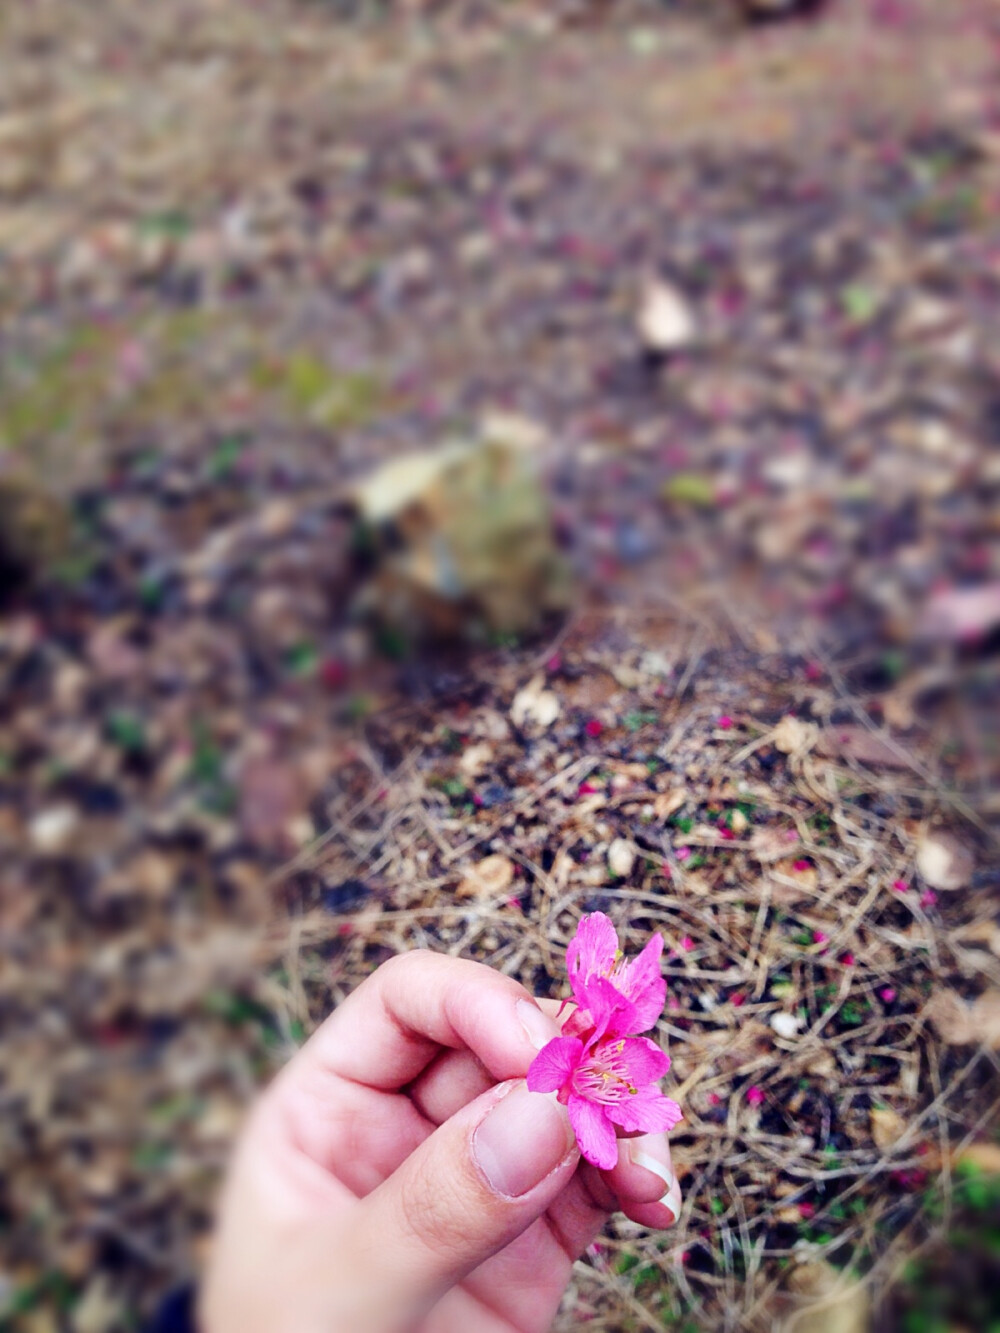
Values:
[(51, 829), (535, 705), (665, 322), (944, 860), (786, 1025), (463, 539), (621, 858)]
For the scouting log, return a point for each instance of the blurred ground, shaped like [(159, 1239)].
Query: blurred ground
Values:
[(246, 255)]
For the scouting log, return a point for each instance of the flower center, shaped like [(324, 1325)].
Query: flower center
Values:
[(605, 1076)]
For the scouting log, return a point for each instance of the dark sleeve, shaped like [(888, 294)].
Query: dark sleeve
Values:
[(176, 1314)]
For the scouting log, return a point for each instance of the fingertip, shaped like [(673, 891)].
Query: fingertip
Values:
[(658, 1216), (644, 1172)]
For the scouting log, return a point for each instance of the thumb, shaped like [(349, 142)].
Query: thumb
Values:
[(474, 1185)]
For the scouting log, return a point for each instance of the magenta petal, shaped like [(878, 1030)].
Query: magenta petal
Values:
[(644, 1060), (611, 1013), (579, 1024), (592, 949), (594, 1132), (554, 1064), (648, 1111), (643, 984)]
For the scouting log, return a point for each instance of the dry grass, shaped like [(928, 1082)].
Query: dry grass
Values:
[(796, 914)]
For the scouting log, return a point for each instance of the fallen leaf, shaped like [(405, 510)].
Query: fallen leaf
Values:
[(959, 1023), (944, 860), (801, 877), (667, 803), (793, 736), (986, 933), (99, 1308), (476, 758), (271, 797), (866, 747), (770, 844), (535, 704), (829, 1300), (984, 1157), (897, 707), (887, 1126), (487, 878), (961, 615)]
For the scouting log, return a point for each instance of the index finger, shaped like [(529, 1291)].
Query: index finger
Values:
[(387, 1032)]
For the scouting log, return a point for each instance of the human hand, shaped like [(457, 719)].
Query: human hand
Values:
[(398, 1174)]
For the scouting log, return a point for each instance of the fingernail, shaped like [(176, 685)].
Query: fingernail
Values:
[(670, 1198), (522, 1138), (649, 1163), (538, 1027)]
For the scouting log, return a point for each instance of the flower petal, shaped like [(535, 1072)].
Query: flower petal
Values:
[(610, 1012), (592, 949), (649, 1110), (594, 1132), (554, 1064), (642, 983), (644, 1060), (580, 1024)]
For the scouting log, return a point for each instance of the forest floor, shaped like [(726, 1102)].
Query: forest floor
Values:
[(249, 252)]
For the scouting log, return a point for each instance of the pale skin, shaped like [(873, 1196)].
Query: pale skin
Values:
[(398, 1177)]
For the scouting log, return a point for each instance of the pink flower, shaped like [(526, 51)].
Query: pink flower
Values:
[(820, 937), (593, 727), (725, 722), (587, 789), (738, 1000), (333, 673), (687, 943), (928, 898), (682, 853), (806, 1211), (900, 885), (755, 1095), (913, 1179), (848, 959), (603, 1073), (603, 1084), (616, 997), (887, 994), (801, 865)]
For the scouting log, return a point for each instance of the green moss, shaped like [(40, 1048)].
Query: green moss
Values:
[(690, 488)]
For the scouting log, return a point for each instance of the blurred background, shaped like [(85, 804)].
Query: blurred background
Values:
[(463, 465)]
